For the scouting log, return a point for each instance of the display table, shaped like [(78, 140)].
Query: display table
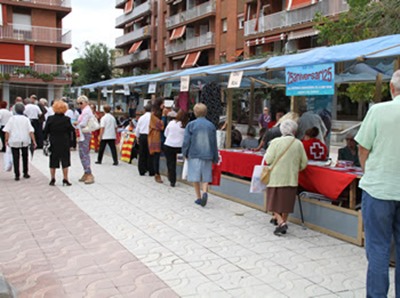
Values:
[(327, 181)]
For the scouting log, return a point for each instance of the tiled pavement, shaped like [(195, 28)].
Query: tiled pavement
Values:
[(126, 236)]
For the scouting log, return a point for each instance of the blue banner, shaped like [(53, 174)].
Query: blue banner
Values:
[(310, 80)]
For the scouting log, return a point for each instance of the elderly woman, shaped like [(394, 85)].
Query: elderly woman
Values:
[(84, 143), (200, 148), (59, 129), (18, 135), (287, 156)]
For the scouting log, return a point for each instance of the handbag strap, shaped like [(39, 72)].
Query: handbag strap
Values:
[(282, 154)]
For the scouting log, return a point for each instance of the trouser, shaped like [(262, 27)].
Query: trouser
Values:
[(170, 155), (15, 155), (73, 139), (145, 162), (38, 132), (3, 139), (111, 144), (155, 160), (381, 222), (84, 153)]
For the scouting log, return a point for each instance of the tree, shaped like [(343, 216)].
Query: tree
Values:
[(94, 66), (365, 19)]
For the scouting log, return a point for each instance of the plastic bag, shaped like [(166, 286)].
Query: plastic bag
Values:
[(216, 174), (185, 169), (7, 160), (256, 185)]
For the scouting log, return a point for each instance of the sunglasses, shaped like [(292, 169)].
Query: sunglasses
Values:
[(80, 103)]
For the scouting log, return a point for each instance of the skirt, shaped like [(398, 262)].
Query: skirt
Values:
[(281, 199), (199, 170)]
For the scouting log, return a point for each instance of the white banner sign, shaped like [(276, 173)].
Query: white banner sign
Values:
[(104, 91), (126, 90), (79, 91), (235, 79), (167, 90), (152, 88), (185, 81), (91, 89)]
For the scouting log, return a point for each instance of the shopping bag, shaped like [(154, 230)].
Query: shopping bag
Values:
[(216, 174), (7, 160), (185, 169), (256, 185), (92, 125)]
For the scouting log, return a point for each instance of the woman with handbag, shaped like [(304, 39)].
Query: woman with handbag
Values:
[(84, 140), (59, 129), (286, 156)]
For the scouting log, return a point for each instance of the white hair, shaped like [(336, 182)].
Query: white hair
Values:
[(288, 127), (396, 80), (83, 98), (43, 101)]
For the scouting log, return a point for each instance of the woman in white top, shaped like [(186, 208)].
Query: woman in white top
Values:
[(108, 134), (19, 133), (174, 134)]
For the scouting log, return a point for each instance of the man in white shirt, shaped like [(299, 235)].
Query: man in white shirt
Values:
[(5, 115), (108, 134), (142, 132), (33, 112)]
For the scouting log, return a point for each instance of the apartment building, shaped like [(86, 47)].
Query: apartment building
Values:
[(31, 44), (139, 22), (175, 34), (285, 26)]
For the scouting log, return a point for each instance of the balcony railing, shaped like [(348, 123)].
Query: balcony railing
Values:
[(191, 14), (35, 34), (132, 36), (294, 17), (62, 3), (135, 13), (132, 58), (38, 71), (190, 44)]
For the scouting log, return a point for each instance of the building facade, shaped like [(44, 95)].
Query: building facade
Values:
[(31, 44), (168, 35)]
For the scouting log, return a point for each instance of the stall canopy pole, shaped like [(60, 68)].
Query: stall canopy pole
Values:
[(113, 97), (251, 113), (229, 111), (98, 98)]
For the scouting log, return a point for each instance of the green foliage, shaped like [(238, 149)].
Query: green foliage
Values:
[(27, 71), (365, 19), (94, 66), (363, 92)]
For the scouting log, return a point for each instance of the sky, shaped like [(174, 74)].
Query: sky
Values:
[(93, 21)]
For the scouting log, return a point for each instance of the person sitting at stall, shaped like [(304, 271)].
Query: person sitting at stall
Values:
[(350, 152), (118, 109), (315, 149), (250, 142), (236, 137)]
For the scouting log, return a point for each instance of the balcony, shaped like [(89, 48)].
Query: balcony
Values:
[(45, 72), (130, 59), (119, 3), (35, 34), (62, 3), (295, 17), (190, 44), (191, 14), (137, 11), (133, 36)]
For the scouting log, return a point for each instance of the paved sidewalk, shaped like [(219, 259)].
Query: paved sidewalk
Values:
[(126, 236)]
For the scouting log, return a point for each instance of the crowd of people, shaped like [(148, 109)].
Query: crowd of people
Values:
[(289, 143)]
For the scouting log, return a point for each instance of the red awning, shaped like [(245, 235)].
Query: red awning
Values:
[(177, 33), (294, 4), (135, 47), (128, 6), (238, 53), (191, 59)]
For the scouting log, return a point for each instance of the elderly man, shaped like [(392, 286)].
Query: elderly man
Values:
[(379, 147), (33, 112)]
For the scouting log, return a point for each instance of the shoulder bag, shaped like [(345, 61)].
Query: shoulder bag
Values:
[(266, 171), (92, 125)]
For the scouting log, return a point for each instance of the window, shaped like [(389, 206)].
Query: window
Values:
[(224, 25), (241, 22)]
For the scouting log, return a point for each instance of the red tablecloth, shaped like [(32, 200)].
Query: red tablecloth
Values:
[(325, 181)]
